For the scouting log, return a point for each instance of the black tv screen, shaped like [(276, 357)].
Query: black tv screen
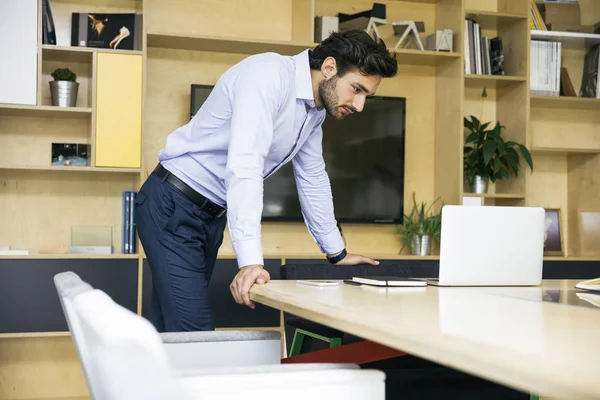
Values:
[(364, 158)]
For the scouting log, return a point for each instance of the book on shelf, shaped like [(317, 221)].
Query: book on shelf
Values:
[(120, 31), (483, 55), (545, 68), (536, 21), (589, 81), (48, 29), (128, 238)]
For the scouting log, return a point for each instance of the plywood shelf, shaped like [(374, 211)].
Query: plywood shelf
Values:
[(77, 54), (44, 111), (242, 46), (494, 20), (223, 45), (568, 39), (563, 150), (497, 81), (495, 195), (564, 102), (70, 169)]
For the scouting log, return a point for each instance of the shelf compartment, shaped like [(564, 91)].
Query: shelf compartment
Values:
[(491, 20), (44, 111), (562, 102), (82, 67)]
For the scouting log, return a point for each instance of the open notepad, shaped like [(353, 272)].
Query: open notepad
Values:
[(592, 284)]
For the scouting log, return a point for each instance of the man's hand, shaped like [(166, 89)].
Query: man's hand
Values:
[(243, 281), (355, 259)]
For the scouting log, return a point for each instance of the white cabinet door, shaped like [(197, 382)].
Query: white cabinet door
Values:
[(18, 51)]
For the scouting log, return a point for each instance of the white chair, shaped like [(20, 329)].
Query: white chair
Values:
[(186, 350), (123, 357)]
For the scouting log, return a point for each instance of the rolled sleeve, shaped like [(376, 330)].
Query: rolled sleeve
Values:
[(314, 192), (255, 101)]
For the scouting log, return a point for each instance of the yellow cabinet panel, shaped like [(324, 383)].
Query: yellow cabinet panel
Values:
[(119, 110)]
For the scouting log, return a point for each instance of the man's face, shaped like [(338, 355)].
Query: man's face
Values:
[(345, 95)]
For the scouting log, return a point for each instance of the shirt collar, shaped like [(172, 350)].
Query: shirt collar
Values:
[(303, 78)]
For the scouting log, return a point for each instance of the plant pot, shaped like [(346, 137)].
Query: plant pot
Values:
[(421, 245), (64, 93), (479, 185)]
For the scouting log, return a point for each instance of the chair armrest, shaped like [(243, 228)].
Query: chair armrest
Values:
[(265, 369)]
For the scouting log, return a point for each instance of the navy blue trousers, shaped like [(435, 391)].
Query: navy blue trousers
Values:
[(181, 243)]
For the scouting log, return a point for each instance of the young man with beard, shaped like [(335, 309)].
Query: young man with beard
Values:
[(263, 112)]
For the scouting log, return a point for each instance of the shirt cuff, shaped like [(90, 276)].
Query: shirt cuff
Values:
[(248, 252), (331, 243)]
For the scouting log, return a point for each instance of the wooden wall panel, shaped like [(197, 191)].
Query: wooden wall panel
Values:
[(251, 19), (565, 128)]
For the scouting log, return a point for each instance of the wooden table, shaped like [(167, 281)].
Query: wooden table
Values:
[(542, 340)]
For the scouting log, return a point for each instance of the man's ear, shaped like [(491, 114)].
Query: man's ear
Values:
[(329, 67)]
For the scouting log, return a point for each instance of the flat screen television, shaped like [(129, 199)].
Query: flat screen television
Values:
[(364, 158)]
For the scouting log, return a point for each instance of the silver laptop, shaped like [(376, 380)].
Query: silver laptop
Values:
[(491, 246)]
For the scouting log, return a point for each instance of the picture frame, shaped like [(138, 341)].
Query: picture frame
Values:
[(553, 238)]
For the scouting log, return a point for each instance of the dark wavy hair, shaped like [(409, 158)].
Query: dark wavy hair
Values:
[(355, 50)]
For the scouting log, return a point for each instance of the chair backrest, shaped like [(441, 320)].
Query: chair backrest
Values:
[(97, 322), (68, 285)]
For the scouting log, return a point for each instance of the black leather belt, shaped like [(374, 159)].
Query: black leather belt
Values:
[(205, 204)]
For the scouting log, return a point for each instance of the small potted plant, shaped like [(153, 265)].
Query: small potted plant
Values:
[(420, 228), (64, 87), (487, 156)]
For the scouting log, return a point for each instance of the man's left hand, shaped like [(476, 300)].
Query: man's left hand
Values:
[(355, 259)]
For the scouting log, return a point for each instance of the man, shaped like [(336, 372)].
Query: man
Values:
[(263, 112)]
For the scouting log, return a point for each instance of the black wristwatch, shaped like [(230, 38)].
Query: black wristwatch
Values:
[(338, 258)]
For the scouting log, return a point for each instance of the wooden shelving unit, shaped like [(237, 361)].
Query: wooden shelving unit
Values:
[(194, 42)]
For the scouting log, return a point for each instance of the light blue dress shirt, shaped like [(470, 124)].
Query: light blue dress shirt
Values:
[(260, 115)]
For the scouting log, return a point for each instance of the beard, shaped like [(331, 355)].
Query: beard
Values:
[(329, 98)]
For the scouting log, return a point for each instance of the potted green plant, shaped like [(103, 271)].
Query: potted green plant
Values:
[(487, 156), (420, 228), (64, 88)]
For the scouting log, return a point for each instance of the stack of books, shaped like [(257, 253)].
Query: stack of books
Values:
[(545, 68), (483, 55)]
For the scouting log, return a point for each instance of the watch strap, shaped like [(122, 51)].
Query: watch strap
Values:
[(338, 258)]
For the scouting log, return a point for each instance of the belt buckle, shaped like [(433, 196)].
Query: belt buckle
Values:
[(221, 213)]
